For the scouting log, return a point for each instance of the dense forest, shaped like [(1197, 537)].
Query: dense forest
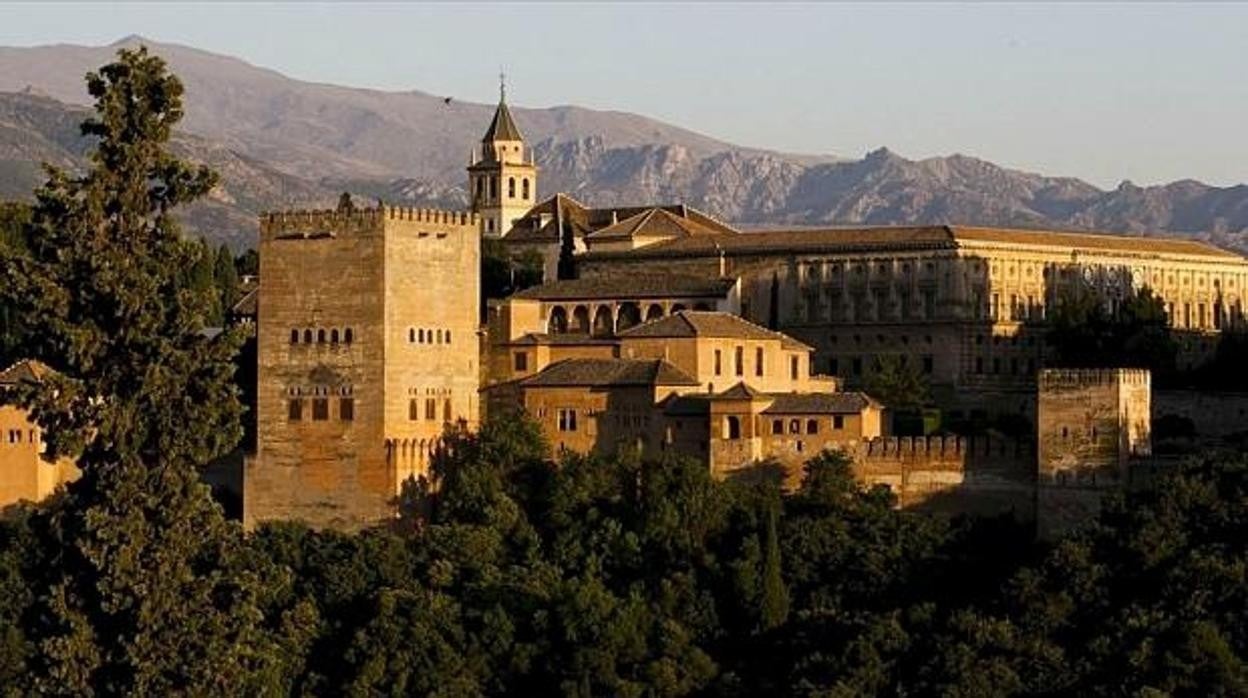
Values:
[(518, 575)]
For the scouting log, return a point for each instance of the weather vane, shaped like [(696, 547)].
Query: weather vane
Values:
[(502, 85)]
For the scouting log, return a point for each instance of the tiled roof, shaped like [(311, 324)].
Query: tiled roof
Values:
[(566, 339), (503, 127), (632, 286), (246, 306), (718, 325), (819, 403), (608, 373), (24, 371), (582, 220), (814, 240), (740, 391), (656, 223)]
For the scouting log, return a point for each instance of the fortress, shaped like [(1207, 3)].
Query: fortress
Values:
[(660, 328)]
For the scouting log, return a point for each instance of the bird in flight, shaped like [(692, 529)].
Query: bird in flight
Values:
[(446, 100)]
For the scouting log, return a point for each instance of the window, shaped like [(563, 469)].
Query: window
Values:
[(812, 426), (448, 337), (413, 410), (522, 361), (294, 336), (511, 187), (740, 360), (493, 187), (758, 361), (795, 426), (777, 426), (347, 336), (732, 427), (856, 366), (979, 364), (333, 336), (480, 187), (294, 410), (927, 364), (346, 409), (793, 367), (320, 409), (431, 409), (567, 419), (411, 335), (838, 422), (525, 189), (307, 336), (718, 366), (320, 336)]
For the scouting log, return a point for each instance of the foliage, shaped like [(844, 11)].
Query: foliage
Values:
[(502, 273), (1084, 334), (895, 382)]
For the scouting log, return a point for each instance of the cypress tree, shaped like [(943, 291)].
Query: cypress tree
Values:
[(143, 586), (774, 604)]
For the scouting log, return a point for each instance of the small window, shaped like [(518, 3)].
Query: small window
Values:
[(346, 409), (567, 420), (511, 187), (320, 409), (838, 422), (448, 336), (718, 362), (320, 336), (739, 356), (411, 335), (307, 336), (420, 336), (431, 409), (812, 426), (525, 188), (346, 336), (294, 410), (777, 426), (795, 426), (758, 361), (439, 336), (446, 410), (793, 367), (333, 336), (522, 361), (413, 410), (294, 336)]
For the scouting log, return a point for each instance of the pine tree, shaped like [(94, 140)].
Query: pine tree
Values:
[(774, 604), (143, 586)]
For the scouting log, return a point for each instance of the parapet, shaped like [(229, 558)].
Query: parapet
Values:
[(1068, 378), (431, 215), (332, 223), (936, 447)]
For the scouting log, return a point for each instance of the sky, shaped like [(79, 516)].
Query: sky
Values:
[(1150, 92)]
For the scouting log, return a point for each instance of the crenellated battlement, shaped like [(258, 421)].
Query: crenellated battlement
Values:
[(895, 448), (1068, 378), (332, 223)]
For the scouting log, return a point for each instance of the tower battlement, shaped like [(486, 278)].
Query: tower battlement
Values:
[(332, 223), (1075, 378)]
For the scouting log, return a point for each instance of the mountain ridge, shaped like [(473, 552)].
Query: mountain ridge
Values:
[(283, 143)]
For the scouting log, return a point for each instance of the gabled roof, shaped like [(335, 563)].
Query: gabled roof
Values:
[(581, 220), (24, 371), (633, 286), (713, 324), (600, 373), (820, 403), (566, 339), (652, 223), (503, 127), (246, 306), (740, 391)]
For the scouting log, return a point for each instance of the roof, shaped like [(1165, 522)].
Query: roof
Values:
[(246, 306), (503, 127), (24, 371), (714, 324), (655, 222), (563, 211), (820, 403), (740, 391), (596, 373), (565, 339), (632, 286), (925, 237), (697, 405)]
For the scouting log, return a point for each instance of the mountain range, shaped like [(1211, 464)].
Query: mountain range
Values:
[(284, 143)]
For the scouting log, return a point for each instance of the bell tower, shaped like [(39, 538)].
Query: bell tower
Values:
[(502, 179)]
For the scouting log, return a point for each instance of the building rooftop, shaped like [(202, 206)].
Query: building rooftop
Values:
[(820, 403), (652, 223), (713, 324), (563, 339), (24, 371), (608, 373), (502, 127), (634, 286), (543, 222)]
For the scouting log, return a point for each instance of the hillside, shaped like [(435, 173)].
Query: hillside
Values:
[(280, 142)]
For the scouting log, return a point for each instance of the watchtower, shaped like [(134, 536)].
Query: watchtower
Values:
[(367, 351), (502, 178)]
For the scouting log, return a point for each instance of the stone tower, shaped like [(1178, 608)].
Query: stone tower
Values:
[(367, 351), (1089, 424), (502, 179)]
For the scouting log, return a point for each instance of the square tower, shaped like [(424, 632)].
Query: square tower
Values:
[(1090, 423), (502, 180), (367, 350)]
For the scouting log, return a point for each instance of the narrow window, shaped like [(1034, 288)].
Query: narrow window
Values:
[(522, 361), (493, 187), (812, 426), (431, 409), (446, 410), (294, 336), (758, 361), (928, 364), (777, 426), (346, 409), (795, 426), (320, 409), (718, 367), (294, 409), (439, 336), (411, 335), (347, 336), (740, 360), (307, 336), (793, 367), (838, 422), (320, 336), (413, 410), (448, 336), (525, 189), (511, 187), (333, 336)]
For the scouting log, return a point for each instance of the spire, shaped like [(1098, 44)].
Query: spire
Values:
[(503, 127)]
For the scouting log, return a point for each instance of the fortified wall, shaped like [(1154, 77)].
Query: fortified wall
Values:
[(366, 342)]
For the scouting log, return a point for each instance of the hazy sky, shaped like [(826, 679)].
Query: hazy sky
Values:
[(1147, 92)]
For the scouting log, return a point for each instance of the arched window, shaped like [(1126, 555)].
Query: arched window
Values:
[(333, 336), (411, 335), (511, 187), (320, 336), (347, 335), (307, 336), (493, 187), (420, 336), (294, 336), (448, 336), (524, 188), (439, 335), (480, 187)]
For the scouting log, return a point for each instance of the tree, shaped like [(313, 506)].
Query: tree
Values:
[(896, 383), (144, 587), (14, 217), (225, 278), (1084, 334)]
